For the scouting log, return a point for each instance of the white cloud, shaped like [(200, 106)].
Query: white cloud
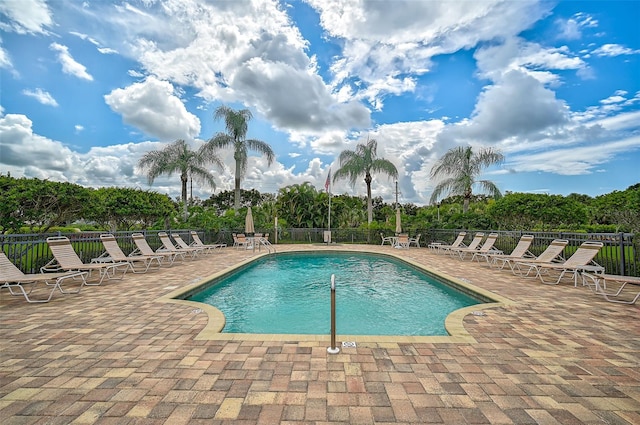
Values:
[(247, 52), (574, 161), (612, 50), (571, 29), (385, 41), (153, 107), (25, 16), (532, 59), (69, 64), (101, 49), (33, 155), (517, 106), (250, 53), (41, 96), (5, 59)]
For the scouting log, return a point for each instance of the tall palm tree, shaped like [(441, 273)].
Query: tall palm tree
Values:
[(364, 161), (236, 123), (460, 168), (178, 158)]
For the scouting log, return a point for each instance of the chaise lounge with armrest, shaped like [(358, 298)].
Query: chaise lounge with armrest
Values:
[(137, 263), (13, 278), (65, 258), (183, 245), (520, 252), (439, 247), (473, 245), (197, 242), (486, 248), (553, 253), (168, 246), (143, 248), (603, 282), (580, 261)]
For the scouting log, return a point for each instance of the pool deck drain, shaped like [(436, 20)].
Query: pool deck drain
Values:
[(116, 354)]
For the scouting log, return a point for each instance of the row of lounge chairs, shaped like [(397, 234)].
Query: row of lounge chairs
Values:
[(550, 267), (66, 266)]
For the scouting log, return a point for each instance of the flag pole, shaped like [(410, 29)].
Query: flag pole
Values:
[(329, 212), (327, 186)]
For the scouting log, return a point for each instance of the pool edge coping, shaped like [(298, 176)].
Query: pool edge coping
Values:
[(454, 322)]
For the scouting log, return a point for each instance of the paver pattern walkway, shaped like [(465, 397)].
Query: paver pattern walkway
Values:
[(117, 354)]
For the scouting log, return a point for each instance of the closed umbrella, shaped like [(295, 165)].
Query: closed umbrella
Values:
[(398, 222), (248, 223)]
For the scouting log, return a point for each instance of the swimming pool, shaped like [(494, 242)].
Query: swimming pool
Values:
[(289, 293)]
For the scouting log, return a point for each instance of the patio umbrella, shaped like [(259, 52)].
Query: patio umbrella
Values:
[(248, 223), (398, 221)]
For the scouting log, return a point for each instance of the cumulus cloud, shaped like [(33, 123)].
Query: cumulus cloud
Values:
[(252, 54), (518, 107), (153, 107), (25, 151), (25, 16), (386, 41), (69, 64), (245, 52), (41, 96), (529, 58)]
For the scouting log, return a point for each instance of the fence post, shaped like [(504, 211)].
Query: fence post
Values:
[(622, 257)]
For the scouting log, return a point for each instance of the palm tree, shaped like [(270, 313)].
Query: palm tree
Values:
[(364, 161), (236, 123), (460, 168), (178, 158)]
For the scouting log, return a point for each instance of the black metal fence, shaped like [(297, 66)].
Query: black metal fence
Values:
[(619, 255)]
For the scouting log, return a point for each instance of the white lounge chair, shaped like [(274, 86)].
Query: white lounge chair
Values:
[(143, 248), (520, 252), (197, 242), (440, 247), (65, 258), (473, 245), (552, 253), (183, 245), (13, 278), (580, 261), (137, 263), (602, 283), (486, 247), (168, 246)]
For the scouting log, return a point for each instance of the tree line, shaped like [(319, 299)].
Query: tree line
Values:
[(39, 206)]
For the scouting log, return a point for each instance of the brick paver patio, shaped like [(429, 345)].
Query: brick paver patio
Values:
[(120, 354)]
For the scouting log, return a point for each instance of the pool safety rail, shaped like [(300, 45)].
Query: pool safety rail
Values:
[(264, 241), (333, 349)]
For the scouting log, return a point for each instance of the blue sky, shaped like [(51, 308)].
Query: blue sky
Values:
[(88, 87)]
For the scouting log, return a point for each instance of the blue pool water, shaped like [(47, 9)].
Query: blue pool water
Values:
[(289, 293)]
